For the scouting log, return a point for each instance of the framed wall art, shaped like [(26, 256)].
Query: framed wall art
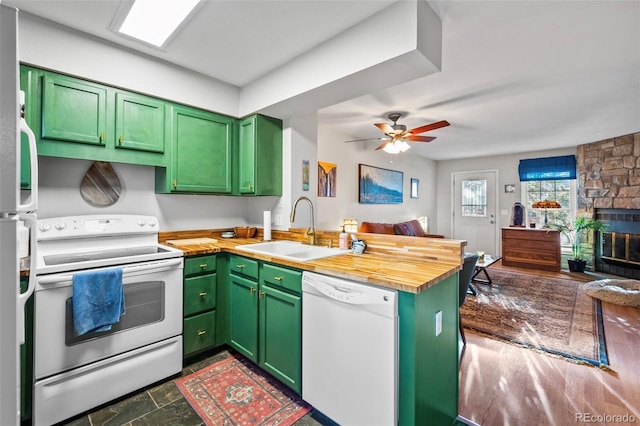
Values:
[(414, 187), (379, 186), (327, 179)]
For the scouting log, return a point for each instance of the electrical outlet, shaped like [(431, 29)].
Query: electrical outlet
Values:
[(438, 323), (278, 219)]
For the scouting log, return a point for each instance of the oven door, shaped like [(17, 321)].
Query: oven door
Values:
[(153, 312)]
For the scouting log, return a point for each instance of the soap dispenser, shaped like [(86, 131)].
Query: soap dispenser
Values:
[(343, 241)]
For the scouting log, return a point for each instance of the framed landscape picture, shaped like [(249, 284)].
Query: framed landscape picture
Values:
[(379, 186)]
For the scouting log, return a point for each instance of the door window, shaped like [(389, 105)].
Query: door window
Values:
[(474, 198)]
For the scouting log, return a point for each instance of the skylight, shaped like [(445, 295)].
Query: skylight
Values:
[(153, 21)]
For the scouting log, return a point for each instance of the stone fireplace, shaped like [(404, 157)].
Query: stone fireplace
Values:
[(609, 190)]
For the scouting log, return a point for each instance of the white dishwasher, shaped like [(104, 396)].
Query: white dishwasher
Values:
[(350, 350)]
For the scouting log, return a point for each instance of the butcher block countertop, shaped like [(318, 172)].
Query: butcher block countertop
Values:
[(409, 264)]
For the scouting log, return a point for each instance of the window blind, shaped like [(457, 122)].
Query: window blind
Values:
[(548, 168)]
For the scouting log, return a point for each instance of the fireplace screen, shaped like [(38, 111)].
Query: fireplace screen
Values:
[(621, 247)]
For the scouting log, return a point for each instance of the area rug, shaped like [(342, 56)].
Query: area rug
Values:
[(553, 315), (236, 392)]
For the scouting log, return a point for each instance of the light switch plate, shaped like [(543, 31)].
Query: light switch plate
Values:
[(278, 219), (438, 323)]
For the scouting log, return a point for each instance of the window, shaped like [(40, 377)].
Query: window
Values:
[(563, 191), (474, 198)]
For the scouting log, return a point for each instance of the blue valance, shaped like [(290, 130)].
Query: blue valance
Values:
[(548, 168)]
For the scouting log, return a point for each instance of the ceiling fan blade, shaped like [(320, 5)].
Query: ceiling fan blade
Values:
[(383, 145), (421, 138), (428, 127), (370, 139), (385, 128)]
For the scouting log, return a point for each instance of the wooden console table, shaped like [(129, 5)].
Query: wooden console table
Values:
[(531, 248)]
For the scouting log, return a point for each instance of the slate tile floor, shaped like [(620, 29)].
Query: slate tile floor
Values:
[(163, 404)]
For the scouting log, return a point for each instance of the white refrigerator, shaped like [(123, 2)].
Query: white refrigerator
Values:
[(12, 210)]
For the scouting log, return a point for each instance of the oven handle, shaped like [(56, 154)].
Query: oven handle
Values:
[(149, 266)]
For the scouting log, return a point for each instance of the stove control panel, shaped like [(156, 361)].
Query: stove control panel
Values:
[(95, 225)]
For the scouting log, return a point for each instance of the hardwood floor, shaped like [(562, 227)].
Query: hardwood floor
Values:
[(502, 384)]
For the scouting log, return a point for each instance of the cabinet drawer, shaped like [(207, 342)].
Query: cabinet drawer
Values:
[(282, 277), (244, 266), (530, 235), (199, 294), (199, 332), (199, 265)]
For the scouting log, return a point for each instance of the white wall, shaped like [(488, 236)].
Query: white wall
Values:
[(59, 195), (347, 156), (507, 166)]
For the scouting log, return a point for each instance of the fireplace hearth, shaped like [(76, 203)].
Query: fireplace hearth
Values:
[(618, 251)]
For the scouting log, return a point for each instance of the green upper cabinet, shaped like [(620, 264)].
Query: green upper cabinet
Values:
[(139, 122), (73, 110), (260, 156), (201, 152), (75, 118)]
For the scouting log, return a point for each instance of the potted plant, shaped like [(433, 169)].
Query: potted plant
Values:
[(575, 232)]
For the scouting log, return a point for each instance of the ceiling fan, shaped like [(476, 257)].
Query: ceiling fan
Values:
[(397, 135)]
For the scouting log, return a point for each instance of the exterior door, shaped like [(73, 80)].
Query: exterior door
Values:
[(474, 210)]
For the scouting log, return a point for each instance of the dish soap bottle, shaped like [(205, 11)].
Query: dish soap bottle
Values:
[(343, 241)]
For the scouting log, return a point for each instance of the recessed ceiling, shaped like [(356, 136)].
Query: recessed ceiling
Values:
[(516, 76)]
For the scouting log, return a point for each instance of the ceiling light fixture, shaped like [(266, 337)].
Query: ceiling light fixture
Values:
[(396, 147), (154, 21)]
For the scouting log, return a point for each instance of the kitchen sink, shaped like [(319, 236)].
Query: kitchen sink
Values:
[(291, 250)]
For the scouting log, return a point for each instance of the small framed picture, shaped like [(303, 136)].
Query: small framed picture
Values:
[(510, 188), (414, 188)]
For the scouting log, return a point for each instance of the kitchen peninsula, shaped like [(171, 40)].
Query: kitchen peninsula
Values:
[(425, 273)]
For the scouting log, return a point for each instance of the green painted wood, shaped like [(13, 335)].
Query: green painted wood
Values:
[(285, 278), (139, 122), (243, 316), (244, 266), (194, 265), (201, 152), (428, 364), (247, 156), (73, 110), (66, 127), (199, 333), (199, 294), (280, 351), (260, 156)]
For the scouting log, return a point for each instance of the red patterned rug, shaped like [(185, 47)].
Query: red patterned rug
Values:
[(236, 392)]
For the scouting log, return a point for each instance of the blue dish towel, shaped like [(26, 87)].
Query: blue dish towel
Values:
[(98, 300)]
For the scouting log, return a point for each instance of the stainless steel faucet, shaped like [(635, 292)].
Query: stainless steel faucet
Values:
[(311, 232)]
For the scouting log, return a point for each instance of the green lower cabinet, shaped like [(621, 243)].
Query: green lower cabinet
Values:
[(265, 320), (428, 363), (244, 316), (280, 349), (200, 304), (199, 333)]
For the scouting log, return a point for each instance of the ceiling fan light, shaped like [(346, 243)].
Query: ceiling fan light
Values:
[(396, 147)]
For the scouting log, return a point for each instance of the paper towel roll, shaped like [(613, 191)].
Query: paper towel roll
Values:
[(267, 225)]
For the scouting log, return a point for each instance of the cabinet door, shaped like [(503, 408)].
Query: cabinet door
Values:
[(243, 314), (201, 151), (73, 110), (139, 123), (247, 156), (281, 336)]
